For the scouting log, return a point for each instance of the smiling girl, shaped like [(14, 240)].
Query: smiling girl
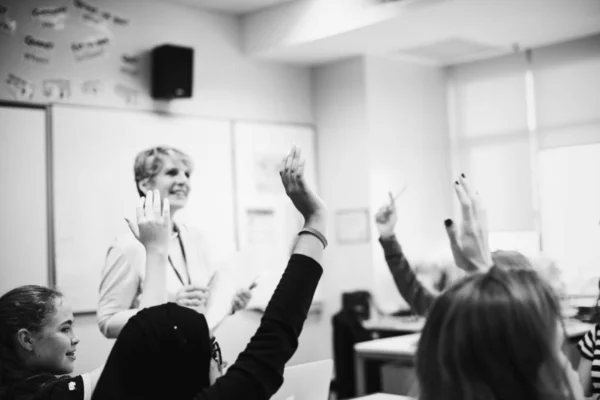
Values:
[(37, 342)]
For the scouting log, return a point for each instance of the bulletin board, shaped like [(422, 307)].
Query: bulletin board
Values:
[(267, 221)]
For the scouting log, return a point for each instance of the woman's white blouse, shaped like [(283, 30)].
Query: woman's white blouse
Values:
[(124, 271)]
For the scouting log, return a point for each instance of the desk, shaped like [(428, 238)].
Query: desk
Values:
[(398, 325), (384, 396), (575, 329), (402, 349), (399, 348)]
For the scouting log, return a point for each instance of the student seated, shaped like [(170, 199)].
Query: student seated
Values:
[(470, 248), (589, 364), (495, 335), (166, 351)]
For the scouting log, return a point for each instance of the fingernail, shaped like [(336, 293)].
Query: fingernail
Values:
[(463, 175), (448, 223)]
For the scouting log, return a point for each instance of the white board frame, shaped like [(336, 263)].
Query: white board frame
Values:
[(48, 270)]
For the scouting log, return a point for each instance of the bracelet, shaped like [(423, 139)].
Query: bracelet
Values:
[(315, 233)]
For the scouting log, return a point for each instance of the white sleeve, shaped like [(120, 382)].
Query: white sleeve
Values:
[(119, 287)]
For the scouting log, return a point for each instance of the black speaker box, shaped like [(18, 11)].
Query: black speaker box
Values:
[(172, 72)]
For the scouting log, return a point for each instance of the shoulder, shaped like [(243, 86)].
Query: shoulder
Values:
[(193, 232), (69, 388), (127, 245), (65, 388)]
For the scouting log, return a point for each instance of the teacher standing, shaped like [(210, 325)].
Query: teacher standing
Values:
[(166, 170)]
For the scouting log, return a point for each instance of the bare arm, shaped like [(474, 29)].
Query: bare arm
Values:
[(585, 375), (154, 289)]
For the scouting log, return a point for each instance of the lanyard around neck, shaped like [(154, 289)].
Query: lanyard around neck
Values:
[(187, 271)]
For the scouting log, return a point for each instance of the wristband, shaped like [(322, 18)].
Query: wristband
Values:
[(315, 233)]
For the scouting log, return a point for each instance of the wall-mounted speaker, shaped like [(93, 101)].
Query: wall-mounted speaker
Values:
[(172, 72)]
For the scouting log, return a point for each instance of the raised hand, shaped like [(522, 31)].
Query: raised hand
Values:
[(153, 227), (469, 242), (306, 201), (386, 218)]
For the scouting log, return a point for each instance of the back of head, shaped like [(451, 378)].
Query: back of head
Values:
[(490, 336), (27, 307), (163, 352), (508, 259)]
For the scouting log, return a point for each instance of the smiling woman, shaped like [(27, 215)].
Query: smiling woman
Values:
[(166, 170)]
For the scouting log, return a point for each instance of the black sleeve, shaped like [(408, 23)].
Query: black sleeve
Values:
[(411, 289), (258, 371)]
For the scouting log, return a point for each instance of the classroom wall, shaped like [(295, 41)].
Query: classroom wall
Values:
[(381, 123), (226, 83), (343, 161), (409, 143)]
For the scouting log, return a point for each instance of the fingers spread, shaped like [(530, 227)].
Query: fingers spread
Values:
[(467, 186), (132, 227), (166, 213), (299, 174), (139, 210), (156, 206), (465, 201), (148, 204)]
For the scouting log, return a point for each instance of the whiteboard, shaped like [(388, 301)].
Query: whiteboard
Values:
[(23, 205), (93, 156), (268, 223)]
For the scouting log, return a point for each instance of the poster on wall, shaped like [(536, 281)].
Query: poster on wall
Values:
[(352, 226), (92, 87), (96, 22), (51, 17), (39, 43), (56, 89), (19, 88), (90, 48), (8, 26), (36, 59), (130, 64), (128, 94), (97, 18), (266, 173)]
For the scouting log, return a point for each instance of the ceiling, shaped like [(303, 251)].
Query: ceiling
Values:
[(442, 32), (237, 7)]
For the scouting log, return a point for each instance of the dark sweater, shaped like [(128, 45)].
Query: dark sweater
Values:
[(258, 371), (419, 297)]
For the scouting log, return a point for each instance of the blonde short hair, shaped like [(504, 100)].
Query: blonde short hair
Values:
[(149, 163)]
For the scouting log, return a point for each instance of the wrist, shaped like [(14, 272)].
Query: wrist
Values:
[(386, 235), (317, 220), (157, 251)]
